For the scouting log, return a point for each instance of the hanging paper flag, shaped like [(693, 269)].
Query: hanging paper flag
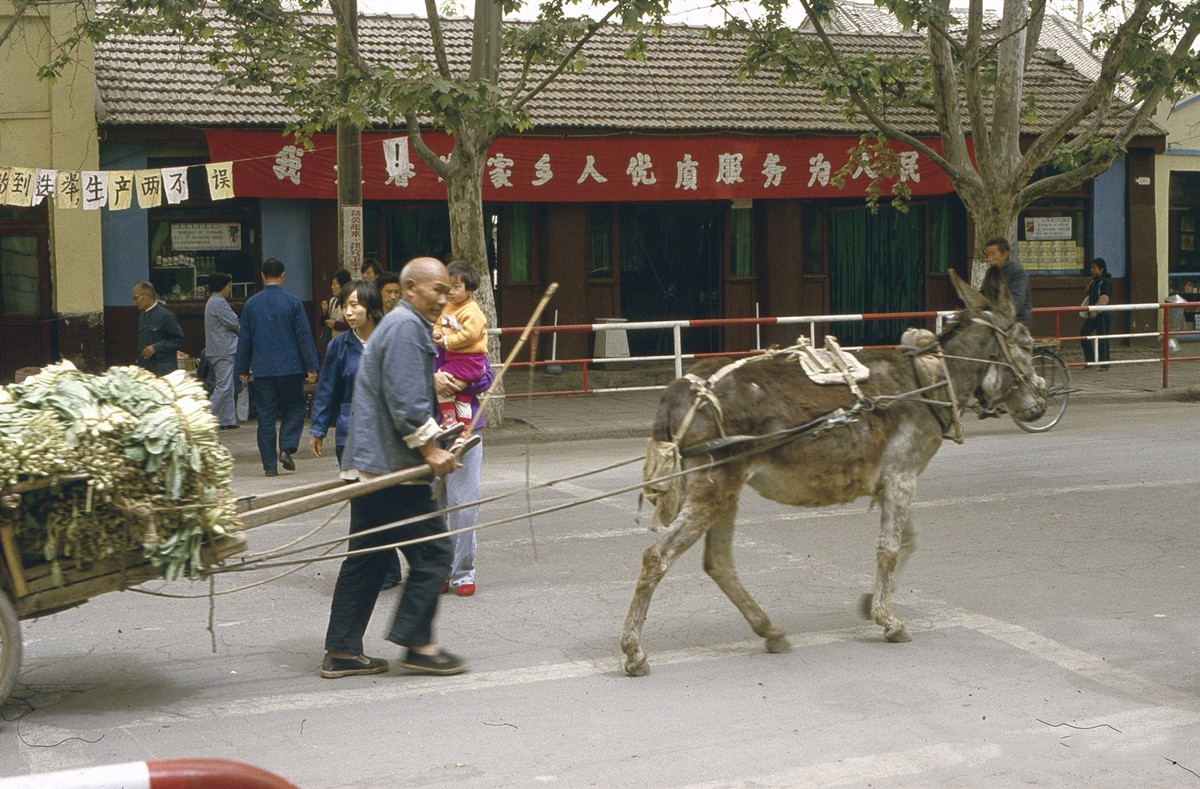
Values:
[(20, 186), (148, 185), (395, 159), (220, 180), (95, 189), (120, 189), (68, 189), (43, 185), (5, 180), (175, 184)]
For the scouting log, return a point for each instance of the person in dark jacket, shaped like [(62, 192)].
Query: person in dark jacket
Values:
[(159, 335), (276, 344), (999, 254), (1098, 323), (335, 387)]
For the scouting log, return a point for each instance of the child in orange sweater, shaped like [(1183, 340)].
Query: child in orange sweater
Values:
[(462, 331)]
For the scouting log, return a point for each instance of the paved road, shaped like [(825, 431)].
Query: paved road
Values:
[(1053, 606)]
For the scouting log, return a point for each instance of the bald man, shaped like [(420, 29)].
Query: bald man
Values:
[(393, 422)]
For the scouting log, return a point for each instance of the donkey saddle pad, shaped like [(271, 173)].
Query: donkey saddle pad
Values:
[(831, 364)]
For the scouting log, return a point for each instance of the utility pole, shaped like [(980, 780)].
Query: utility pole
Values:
[(349, 163)]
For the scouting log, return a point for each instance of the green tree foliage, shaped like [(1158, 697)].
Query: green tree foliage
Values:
[(970, 76)]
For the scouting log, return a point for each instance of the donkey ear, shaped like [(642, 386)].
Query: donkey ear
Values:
[(995, 290), (973, 299)]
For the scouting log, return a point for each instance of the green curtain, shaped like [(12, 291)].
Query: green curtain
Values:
[(520, 243), (877, 264), (939, 236)]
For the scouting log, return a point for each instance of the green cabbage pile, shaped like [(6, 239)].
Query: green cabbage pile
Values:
[(158, 478)]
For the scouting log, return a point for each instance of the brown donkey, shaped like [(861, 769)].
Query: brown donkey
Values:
[(872, 438)]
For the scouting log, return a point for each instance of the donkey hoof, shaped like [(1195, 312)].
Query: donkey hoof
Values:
[(897, 635), (637, 667), (778, 644)]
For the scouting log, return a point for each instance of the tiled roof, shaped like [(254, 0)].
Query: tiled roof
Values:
[(867, 18), (685, 84), (1058, 33)]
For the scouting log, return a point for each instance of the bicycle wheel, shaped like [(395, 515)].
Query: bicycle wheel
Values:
[(10, 647), (1053, 370)]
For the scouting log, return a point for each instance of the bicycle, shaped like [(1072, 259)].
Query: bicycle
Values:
[(1053, 370)]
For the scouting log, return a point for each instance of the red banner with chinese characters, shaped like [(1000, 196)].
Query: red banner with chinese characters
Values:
[(535, 169)]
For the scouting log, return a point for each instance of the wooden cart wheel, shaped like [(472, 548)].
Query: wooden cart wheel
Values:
[(10, 647)]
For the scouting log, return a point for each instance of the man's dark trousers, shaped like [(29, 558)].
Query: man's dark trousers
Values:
[(359, 580), (278, 397)]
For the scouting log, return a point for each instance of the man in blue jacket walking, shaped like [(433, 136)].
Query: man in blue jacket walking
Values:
[(276, 344)]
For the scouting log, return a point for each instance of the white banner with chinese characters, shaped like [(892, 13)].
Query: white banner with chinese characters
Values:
[(115, 190)]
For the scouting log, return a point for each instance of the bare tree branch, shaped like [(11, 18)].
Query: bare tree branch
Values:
[(19, 8), (438, 36), (566, 59), (436, 163), (881, 123)]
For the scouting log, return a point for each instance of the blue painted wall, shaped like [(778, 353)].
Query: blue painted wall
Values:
[(1108, 219), (125, 235), (285, 228)]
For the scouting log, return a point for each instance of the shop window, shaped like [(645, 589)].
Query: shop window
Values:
[(1052, 233), (19, 275), (187, 245), (1183, 232), (520, 243), (600, 241), (741, 233)]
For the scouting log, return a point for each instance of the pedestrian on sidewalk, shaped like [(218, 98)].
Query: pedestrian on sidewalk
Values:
[(463, 486), (362, 309), (1097, 323), (333, 312), (393, 426), (159, 336), (221, 327), (276, 345), (389, 290)]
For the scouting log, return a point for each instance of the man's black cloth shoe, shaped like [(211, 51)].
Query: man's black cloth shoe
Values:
[(443, 663), (285, 460), (271, 472), (334, 667)]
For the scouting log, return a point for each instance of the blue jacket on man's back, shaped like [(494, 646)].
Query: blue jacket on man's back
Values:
[(275, 338), (394, 410)]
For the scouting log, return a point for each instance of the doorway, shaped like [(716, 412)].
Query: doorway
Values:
[(671, 260), (876, 264), (26, 320)]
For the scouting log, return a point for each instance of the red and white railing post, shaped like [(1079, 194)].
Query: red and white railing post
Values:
[(165, 774)]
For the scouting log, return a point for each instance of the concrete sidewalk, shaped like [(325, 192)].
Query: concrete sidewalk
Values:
[(552, 418)]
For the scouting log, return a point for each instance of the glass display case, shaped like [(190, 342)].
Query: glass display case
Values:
[(1051, 241), (184, 253)]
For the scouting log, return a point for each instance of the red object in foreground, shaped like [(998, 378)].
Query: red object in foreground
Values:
[(166, 774)]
